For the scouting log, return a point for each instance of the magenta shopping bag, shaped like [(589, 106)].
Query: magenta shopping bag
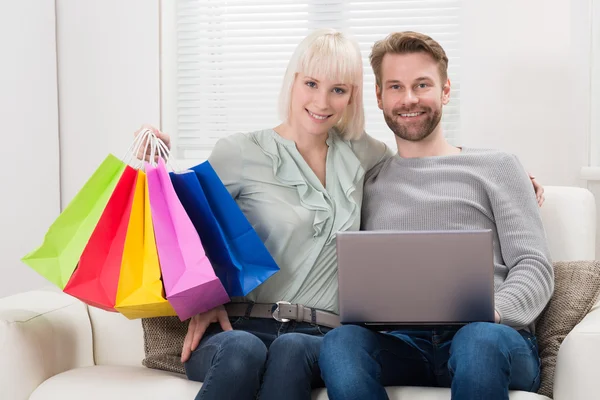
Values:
[(191, 285)]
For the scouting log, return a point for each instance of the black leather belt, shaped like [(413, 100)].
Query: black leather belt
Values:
[(283, 312)]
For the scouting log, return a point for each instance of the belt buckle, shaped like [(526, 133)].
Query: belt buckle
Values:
[(276, 312)]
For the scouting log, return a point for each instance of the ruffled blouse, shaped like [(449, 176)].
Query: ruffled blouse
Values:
[(293, 213)]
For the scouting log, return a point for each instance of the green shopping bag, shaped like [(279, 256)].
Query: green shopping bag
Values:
[(66, 238)]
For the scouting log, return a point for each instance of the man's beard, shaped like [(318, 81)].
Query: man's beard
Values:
[(418, 131)]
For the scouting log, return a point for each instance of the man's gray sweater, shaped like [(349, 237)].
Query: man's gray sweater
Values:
[(476, 189)]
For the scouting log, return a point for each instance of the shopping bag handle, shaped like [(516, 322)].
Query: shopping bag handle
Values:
[(141, 139), (148, 140)]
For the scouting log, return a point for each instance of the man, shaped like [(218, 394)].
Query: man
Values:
[(432, 185)]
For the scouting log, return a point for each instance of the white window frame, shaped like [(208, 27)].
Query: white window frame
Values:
[(591, 172), (168, 77), (595, 86)]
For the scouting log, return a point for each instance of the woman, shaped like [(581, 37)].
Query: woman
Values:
[(298, 184)]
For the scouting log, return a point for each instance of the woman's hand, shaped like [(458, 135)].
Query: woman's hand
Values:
[(165, 138), (198, 325), (539, 190)]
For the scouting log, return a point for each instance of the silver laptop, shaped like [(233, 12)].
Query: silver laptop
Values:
[(415, 278)]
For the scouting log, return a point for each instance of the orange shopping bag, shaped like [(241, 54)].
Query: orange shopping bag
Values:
[(140, 292)]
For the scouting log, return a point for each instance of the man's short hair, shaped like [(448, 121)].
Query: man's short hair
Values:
[(405, 43)]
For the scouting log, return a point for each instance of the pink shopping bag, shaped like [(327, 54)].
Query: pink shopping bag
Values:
[(191, 285)]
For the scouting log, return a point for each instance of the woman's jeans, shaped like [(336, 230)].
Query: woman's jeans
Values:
[(478, 361), (276, 360)]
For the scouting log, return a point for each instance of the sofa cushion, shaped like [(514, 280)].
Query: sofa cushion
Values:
[(163, 341), (103, 382), (117, 340), (576, 289), (139, 383)]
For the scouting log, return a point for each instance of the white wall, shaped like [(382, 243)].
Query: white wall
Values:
[(108, 85), (594, 185), (109, 77), (29, 175), (595, 85), (525, 83)]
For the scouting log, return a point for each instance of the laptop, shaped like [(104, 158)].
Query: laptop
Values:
[(391, 279)]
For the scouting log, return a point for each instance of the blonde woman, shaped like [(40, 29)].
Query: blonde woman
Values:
[(298, 184)]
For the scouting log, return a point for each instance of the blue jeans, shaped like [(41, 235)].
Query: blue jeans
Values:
[(478, 361), (260, 356)]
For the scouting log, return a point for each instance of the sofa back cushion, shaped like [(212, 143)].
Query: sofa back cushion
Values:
[(568, 217), (117, 340), (576, 289)]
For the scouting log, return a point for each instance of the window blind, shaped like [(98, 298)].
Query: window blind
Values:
[(229, 58)]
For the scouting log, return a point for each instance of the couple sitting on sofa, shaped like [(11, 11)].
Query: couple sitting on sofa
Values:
[(308, 178)]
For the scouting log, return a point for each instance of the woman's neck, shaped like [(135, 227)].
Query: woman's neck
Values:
[(313, 148), (306, 143)]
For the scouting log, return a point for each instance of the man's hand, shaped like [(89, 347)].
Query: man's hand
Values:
[(197, 327), (539, 190), (496, 317)]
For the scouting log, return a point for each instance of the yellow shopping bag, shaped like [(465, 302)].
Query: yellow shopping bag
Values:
[(140, 293)]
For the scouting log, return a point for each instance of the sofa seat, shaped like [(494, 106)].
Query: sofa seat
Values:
[(103, 382), (117, 382)]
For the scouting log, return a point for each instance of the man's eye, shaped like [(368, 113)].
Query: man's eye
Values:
[(395, 87)]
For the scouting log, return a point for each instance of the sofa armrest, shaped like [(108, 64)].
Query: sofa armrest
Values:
[(42, 333), (578, 361)]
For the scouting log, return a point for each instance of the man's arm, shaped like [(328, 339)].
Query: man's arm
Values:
[(530, 281)]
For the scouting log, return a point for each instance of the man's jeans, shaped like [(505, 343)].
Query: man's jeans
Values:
[(478, 361), (278, 358)]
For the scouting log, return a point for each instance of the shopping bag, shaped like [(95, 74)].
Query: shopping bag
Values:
[(140, 292), (56, 258), (190, 282), (237, 254), (96, 277)]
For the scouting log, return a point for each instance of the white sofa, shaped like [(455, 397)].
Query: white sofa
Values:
[(54, 347)]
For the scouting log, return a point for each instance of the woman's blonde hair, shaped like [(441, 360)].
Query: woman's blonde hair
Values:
[(333, 55)]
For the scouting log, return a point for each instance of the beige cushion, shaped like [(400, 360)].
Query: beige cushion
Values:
[(576, 288), (163, 341)]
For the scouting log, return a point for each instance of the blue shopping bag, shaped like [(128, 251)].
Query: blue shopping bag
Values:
[(238, 256)]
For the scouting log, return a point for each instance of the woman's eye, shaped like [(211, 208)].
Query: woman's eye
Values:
[(339, 90), (311, 84)]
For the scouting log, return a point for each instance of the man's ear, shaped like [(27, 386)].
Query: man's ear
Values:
[(446, 92), (378, 95)]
